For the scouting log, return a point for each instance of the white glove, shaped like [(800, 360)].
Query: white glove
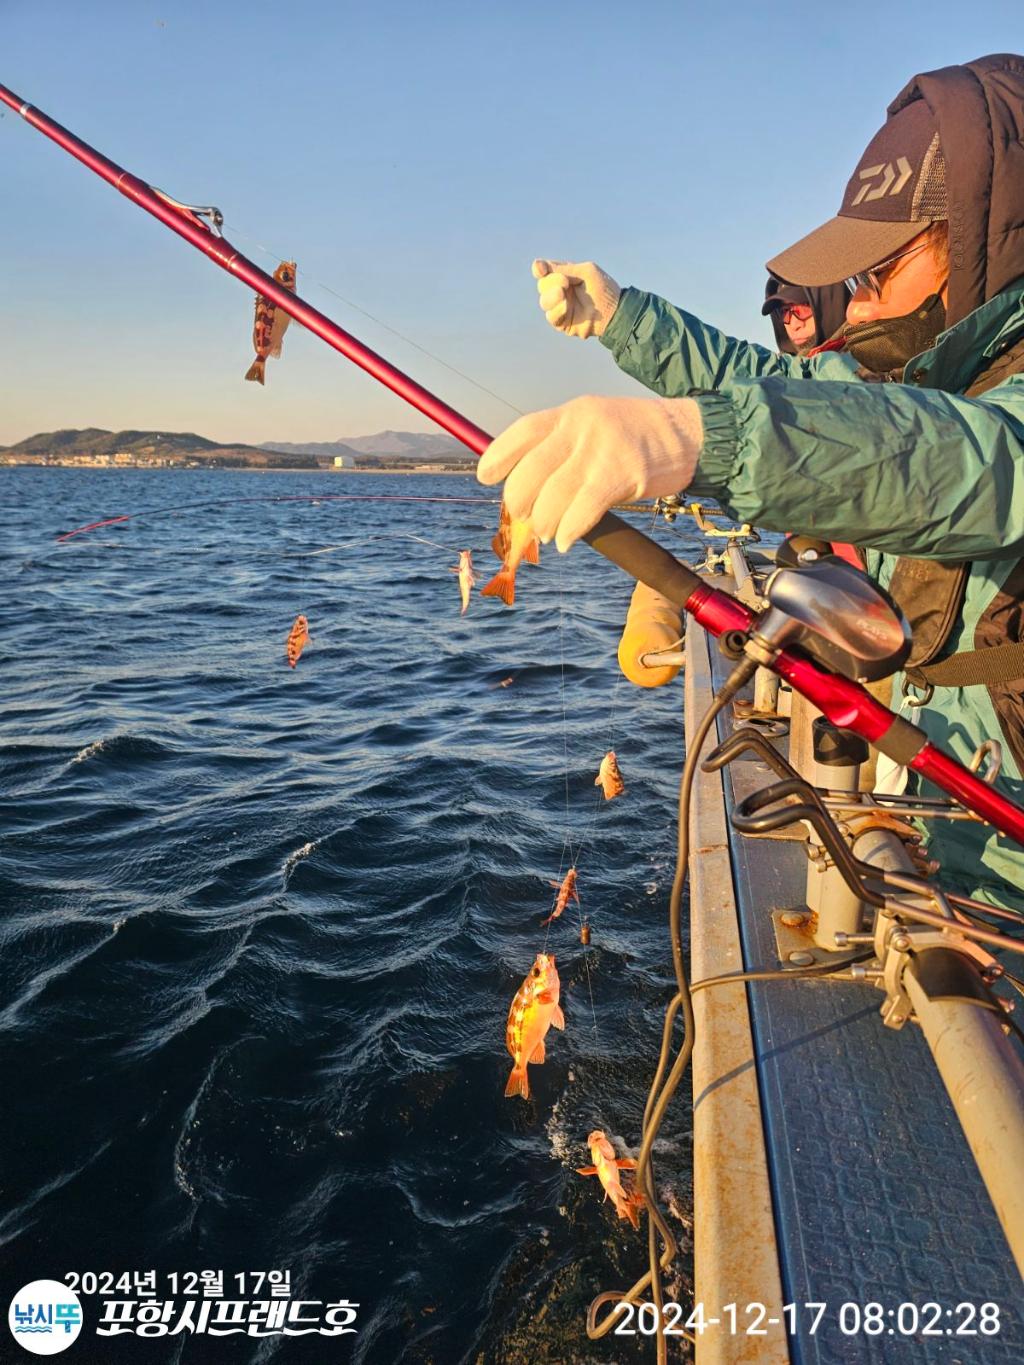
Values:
[(566, 466), (578, 298)]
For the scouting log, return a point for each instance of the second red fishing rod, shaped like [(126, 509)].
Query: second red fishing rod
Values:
[(845, 703)]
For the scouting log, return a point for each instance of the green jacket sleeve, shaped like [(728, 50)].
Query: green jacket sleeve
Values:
[(673, 353), (906, 470)]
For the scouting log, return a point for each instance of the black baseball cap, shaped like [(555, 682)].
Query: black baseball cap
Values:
[(779, 295), (897, 190)]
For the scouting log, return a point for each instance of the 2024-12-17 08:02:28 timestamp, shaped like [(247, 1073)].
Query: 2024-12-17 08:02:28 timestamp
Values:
[(928, 1319)]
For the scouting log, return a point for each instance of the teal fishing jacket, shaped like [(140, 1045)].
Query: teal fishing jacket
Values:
[(900, 469)]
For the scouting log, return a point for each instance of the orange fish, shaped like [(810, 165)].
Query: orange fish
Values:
[(271, 323), (565, 888), (297, 640), (609, 778), (514, 542), (533, 1011), (467, 578), (606, 1167)]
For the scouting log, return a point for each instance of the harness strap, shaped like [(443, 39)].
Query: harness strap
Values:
[(972, 668)]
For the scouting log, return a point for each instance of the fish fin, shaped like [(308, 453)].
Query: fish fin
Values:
[(626, 1163), (545, 922), (256, 370), (556, 885), (502, 585), (629, 1209), (575, 894), (586, 1170), (531, 555), (538, 1057), (597, 780), (498, 546), (558, 1018), (518, 1084)]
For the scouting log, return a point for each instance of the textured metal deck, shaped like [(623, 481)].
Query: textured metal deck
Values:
[(877, 1197)]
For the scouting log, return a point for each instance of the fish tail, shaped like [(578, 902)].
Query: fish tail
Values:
[(518, 1084), (256, 370), (502, 585)]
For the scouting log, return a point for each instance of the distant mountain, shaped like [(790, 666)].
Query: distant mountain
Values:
[(393, 447), (88, 445), (148, 446)]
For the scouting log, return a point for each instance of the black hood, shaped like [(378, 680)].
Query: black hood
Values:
[(979, 112), (828, 303)]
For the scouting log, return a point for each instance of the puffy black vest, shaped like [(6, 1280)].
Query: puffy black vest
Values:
[(931, 596)]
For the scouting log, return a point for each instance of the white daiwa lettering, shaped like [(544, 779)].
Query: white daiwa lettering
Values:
[(45, 1317), (894, 178)]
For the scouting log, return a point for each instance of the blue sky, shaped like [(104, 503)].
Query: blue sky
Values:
[(414, 157)]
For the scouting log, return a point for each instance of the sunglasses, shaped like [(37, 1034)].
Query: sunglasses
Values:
[(798, 312), (872, 281)]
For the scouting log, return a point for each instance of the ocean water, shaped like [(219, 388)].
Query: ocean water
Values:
[(260, 927)]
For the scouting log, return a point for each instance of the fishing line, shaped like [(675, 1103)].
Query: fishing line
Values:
[(319, 284), (206, 504)]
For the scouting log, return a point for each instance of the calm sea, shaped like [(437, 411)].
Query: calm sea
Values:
[(261, 928)]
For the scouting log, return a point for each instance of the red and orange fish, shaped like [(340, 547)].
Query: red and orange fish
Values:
[(609, 779), (565, 888), (515, 541), (297, 640), (607, 1167), (534, 1009), (271, 323)]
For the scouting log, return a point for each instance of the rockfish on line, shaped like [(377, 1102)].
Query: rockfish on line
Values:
[(515, 541), (533, 1011), (271, 323), (297, 640), (609, 778), (606, 1167), (467, 578), (565, 888)]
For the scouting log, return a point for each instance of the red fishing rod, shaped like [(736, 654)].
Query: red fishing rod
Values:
[(844, 702)]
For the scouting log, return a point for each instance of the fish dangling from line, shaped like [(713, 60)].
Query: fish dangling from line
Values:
[(515, 541), (467, 578), (271, 323), (565, 888), (609, 779), (298, 638), (607, 1167), (534, 1009)]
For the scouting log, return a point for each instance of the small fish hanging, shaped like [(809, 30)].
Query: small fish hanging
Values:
[(606, 1167), (514, 542), (609, 779), (271, 323), (565, 888), (534, 1009), (467, 578), (297, 640)]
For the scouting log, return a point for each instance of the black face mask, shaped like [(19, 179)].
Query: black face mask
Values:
[(886, 344)]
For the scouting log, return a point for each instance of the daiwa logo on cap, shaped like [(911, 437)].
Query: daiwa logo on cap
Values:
[(889, 183)]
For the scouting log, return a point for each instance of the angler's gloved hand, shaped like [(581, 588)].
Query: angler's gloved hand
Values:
[(566, 466), (578, 298)]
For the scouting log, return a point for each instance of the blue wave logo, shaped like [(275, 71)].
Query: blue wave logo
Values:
[(45, 1317)]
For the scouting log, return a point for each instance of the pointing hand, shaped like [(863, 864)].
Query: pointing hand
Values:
[(578, 298)]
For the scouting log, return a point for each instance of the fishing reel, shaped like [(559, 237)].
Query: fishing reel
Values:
[(834, 612)]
